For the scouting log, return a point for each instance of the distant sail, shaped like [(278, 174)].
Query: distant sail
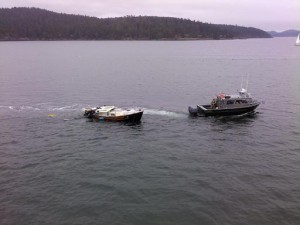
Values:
[(298, 40)]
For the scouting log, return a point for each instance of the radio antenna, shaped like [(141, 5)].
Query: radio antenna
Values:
[(242, 82)]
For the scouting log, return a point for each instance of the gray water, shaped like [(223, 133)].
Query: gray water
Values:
[(168, 169)]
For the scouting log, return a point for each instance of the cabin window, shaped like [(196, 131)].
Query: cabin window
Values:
[(230, 102)]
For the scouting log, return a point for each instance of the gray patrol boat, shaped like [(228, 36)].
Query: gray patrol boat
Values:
[(226, 105)]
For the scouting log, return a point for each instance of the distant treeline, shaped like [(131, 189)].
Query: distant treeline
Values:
[(286, 33), (39, 24)]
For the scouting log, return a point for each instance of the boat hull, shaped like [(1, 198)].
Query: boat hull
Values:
[(132, 118), (206, 110)]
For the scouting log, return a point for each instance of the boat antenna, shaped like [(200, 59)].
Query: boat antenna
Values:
[(242, 82), (247, 82)]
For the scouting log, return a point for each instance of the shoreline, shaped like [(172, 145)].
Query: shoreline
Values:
[(162, 39)]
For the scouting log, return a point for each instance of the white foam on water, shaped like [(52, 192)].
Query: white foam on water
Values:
[(19, 108), (65, 108), (42, 107), (80, 107), (161, 112)]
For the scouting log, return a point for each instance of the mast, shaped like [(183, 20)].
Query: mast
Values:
[(242, 82), (247, 82)]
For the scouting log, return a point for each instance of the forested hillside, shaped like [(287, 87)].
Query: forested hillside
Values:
[(286, 33), (39, 24)]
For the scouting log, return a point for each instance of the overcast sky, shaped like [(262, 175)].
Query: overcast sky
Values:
[(264, 14)]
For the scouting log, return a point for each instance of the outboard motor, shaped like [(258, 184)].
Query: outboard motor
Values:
[(193, 111), (89, 113)]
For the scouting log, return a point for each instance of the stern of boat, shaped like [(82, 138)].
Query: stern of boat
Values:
[(89, 113), (193, 111)]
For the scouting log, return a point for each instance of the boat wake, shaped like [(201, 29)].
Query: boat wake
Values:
[(43, 107), (19, 108), (56, 109), (164, 113)]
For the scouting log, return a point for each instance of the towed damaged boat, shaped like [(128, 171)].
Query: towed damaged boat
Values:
[(112, 113), (225, 105)]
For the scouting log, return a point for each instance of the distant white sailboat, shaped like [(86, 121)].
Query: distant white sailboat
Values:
[(298, 40)]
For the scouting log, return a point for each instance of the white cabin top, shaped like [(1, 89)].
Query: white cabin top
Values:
[(104, 109), (244, 94), (241, 94)]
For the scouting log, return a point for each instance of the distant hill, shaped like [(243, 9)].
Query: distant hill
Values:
[(40, 24), (286, 33)]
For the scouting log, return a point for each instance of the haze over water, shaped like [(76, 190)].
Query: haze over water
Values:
[(170, 168)]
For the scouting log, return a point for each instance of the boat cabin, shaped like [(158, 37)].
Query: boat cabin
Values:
[(104, 110), (223, 101)]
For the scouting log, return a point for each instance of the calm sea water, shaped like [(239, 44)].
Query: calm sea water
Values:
[(170, 168)]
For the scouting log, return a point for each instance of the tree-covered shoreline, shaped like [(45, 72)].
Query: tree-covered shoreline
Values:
[(21, 24)]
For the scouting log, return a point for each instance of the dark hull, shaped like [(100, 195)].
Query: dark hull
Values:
[(132, 118), (221, 112)]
